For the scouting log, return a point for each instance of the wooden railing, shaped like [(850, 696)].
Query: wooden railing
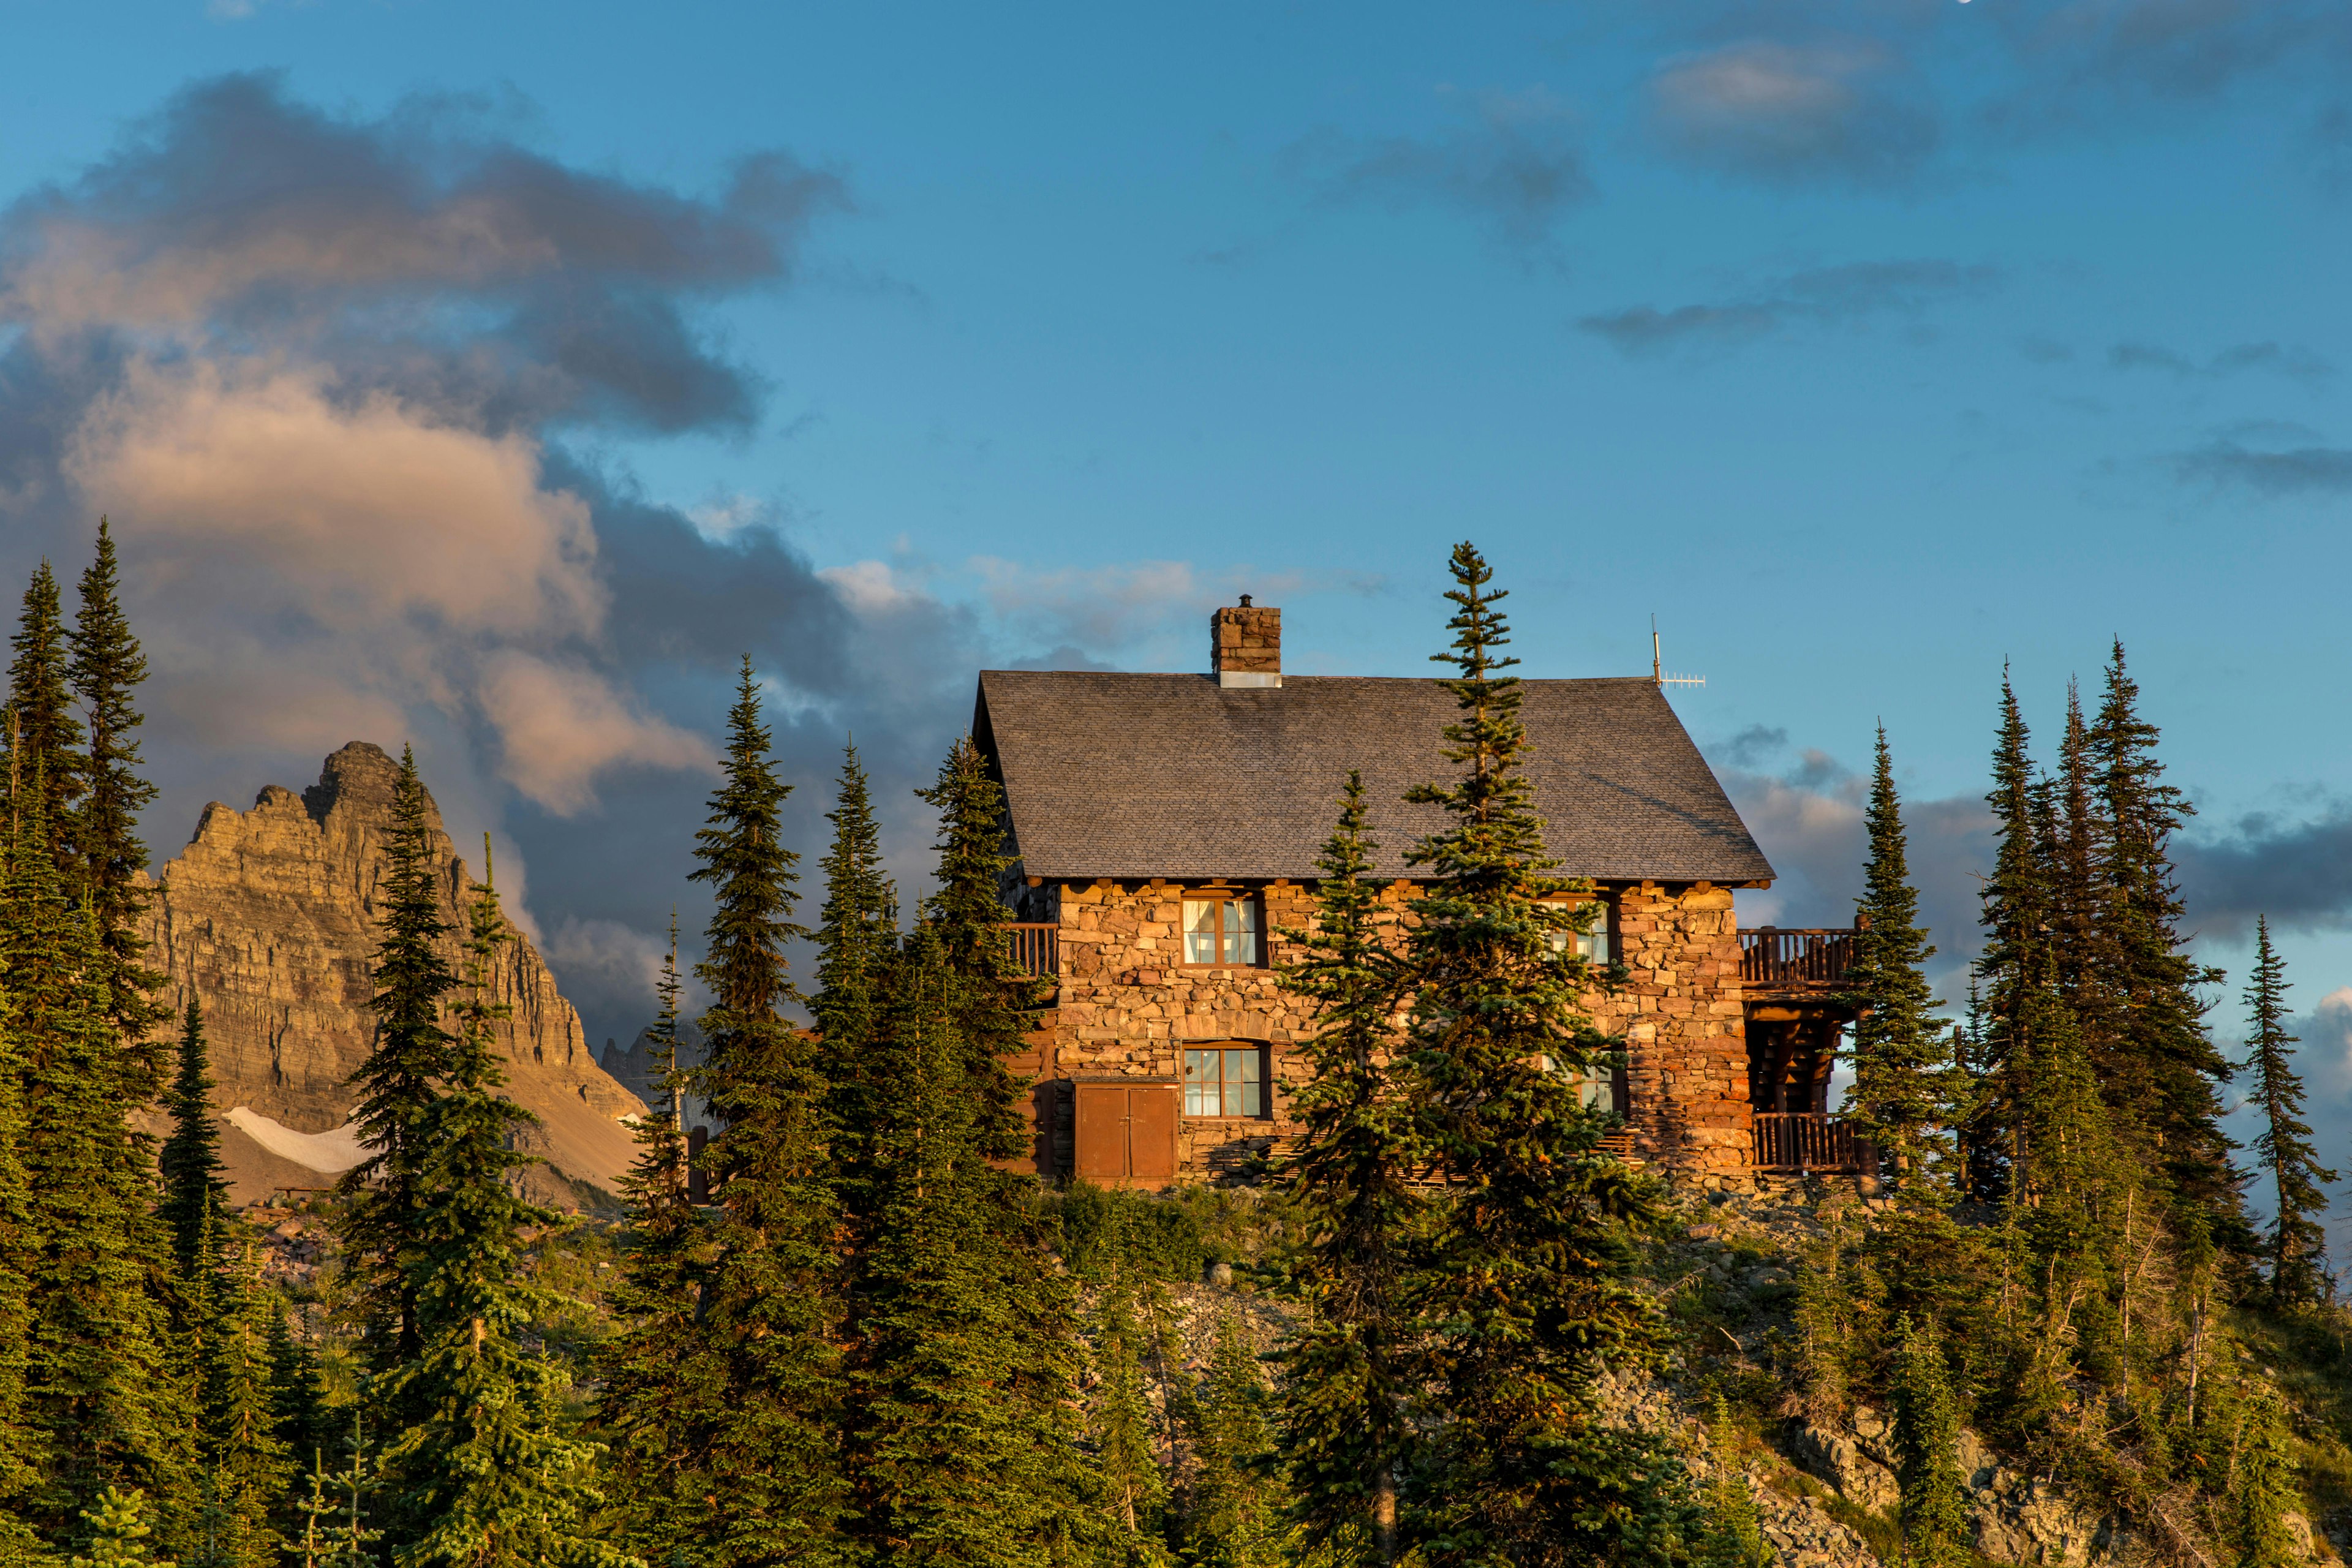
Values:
[(1810, 1141), (1771, 959), (1035, 947)]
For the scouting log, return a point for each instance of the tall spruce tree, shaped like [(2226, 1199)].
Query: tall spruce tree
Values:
[(44, 737), (484, 1477), (384, 1195), (24, 1458), (1346, 1384), (2296, 1247), (2015, 916), (1927, 1462), (99, 1400), (1528, 1271), (1734, 1535), (2162, 1069), (653, 1306), (857, 937), (1232, 1513), (246, 1463), (1905, 1084), (195, 1193), (962, 1364), (754, 1460), (1132, 1491), (104, 671)]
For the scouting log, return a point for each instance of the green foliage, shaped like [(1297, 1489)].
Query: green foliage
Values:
[(194, 1206), (1232, 1513), (857, 938), (245, 1461), (1907, 1092), (1733, 1534), (483, 1477), (45, 757), (119, 1531), (1926, 1437), (1347, 1374), (384, 1195), (2296, 1249), (1523, 1289), (1132, 1491), (1117, 1231)]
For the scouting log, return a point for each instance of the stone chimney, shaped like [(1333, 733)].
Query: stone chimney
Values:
[(1245, 645)]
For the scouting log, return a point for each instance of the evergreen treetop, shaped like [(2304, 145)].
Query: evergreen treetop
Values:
[(2296, 1247), (386, 1193), (45, 737), (196, 1193)]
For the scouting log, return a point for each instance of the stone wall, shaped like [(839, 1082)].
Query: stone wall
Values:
[(1128, 1006)]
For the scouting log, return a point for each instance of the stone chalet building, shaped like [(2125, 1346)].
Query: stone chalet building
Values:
[(1165, 830)]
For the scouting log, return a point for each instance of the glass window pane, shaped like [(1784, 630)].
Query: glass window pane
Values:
[(1201, 1083), (1199, 930), (1253, 1091), (1243, 1065), (1241, 930)]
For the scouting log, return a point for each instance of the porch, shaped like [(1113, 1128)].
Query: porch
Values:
[(1793, 983)]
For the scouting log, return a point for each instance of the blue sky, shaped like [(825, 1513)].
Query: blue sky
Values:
[(1869, 345)]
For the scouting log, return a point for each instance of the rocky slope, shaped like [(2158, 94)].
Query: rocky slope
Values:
[(269, 916)]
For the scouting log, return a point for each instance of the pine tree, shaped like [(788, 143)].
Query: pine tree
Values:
[(105, 668), (753, 1454), (653, 1304), (99, 1400), (1346, 1373), (2163, 1070), (298, 1400), (1133, 1490), (1927, 1449), (196, 1194), (1233, 1514), (2264, 1488), (1528, 1272), (44, 737), (1733, 1536), (1905, 1082), (384, 1195), (962, 1330), (246, 1462), (2296, 1247), (119, 1531), (23, 1458), (484, 1479), (2015, 916), (857, 935)]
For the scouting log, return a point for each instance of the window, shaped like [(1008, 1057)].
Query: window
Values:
[(1598, 1088), (1593, 945), (1225, 1080), (1221, 929)]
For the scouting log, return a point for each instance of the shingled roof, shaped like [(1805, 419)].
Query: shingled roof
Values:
[(1131, 776)]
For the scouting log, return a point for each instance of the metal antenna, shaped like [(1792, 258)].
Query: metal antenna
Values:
[(1658, 668)]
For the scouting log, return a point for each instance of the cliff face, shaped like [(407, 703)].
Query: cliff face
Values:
[(270, 914)]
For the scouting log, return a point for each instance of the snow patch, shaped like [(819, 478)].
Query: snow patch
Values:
[(327, 1152)]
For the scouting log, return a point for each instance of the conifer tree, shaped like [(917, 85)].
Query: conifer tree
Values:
[(99, 1401), (246, 1462), (857, 935), (1927, 1446), (654, 1303), (2015, 916), (1133, 1490), (2296, 1247), (1733, 1536), (2264, 1488), (483, 1478), (384, 1195), (23, 1459), (105, 668), (195, 1193), (44, 737), (1905, 1083), (1233, 1514), (1528, 1271), (962, 1371), (297, 1400), (119, 1531), (2163, 1070), (1346, 1382), (754, 1458)]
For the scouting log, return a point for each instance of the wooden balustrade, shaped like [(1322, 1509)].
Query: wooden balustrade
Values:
[(1035, 946), (1771, 959), (1810, 1141)]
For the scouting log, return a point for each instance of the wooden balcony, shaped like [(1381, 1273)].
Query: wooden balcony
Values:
[(1805, 963), (1036, 945), (1811, 1141)]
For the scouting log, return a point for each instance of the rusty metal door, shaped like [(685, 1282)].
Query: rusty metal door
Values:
[(1125, 1132)]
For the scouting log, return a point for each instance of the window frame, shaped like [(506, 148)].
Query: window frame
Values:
[(1222, 1049), (1605, 928), (1222, 896)]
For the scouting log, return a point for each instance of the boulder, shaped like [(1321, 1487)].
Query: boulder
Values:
[(1836, 1458)]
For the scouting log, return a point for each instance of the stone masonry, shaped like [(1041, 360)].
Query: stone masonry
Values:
[(1127, 1005)]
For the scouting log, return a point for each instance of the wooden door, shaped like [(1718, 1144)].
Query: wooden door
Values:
[(1125, 1132)]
